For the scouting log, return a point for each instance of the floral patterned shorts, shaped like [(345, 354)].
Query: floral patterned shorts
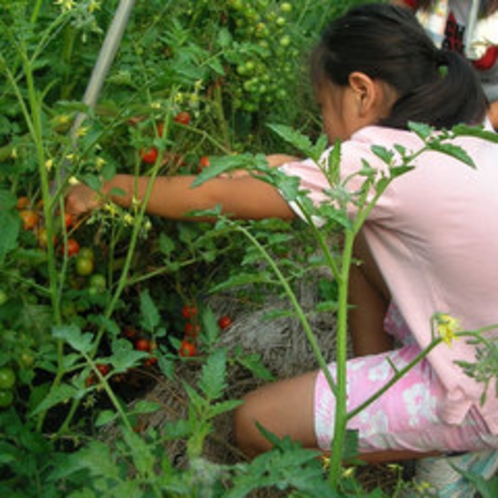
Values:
[(406, 416)]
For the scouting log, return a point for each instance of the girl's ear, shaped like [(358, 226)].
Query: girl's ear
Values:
[(366, 93)]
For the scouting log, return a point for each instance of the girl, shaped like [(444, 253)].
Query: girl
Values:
[(429, 245), (469, 27)]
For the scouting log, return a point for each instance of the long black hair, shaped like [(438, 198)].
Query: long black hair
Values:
[(387, 43)]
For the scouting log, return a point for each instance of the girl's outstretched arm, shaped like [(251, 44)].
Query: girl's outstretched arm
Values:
[(173, 197)]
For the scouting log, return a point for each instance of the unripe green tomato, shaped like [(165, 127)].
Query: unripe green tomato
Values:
[(285, 41), (84, 266), (86, 252), (6, 398), (98, 281), (7, 378), (285, 7)]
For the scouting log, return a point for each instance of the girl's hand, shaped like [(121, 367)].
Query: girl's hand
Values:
[(82, 199)]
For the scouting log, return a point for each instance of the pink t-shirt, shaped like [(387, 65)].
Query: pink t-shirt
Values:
[(434, 235)]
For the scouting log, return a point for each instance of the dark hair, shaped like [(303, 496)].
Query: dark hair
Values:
[(387, 42)]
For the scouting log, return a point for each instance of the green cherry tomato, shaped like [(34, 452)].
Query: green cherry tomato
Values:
[(97, 281), (6, 398), (7, 378), (3, 297), (84, 266), (86, 252)]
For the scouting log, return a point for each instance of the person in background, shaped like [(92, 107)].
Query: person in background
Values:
[(429, 245), (469, 27)]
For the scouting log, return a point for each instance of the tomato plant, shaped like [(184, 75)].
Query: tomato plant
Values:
[(7, 378), (6, 398)]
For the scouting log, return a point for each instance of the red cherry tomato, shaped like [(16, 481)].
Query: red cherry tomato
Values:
[(224, 322), (189, 311), (68, 219), (192, 329), (29, 219), (149, 156), (187, 349), (142, 345), (73, 247), (103, 368), (130, 332), (182, 118), (203, 163)]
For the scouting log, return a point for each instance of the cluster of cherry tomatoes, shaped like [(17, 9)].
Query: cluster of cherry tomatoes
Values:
[(149, 155), (265, 73)]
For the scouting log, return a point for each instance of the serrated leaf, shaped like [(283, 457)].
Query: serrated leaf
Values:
[(144, 406), (58, 394), (253, 363), (223, 407), (82, 342), (11, 226), (150, 317), (124, 356), (474, 131), (105, 417), (166, 244), (384, 154), (454, 151), (141, 453), (213, 375), (420, 129)]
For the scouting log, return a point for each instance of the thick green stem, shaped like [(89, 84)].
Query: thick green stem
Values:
[(341, 362)]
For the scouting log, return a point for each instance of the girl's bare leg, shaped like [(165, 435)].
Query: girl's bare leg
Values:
[(285, 408), (369, 298)]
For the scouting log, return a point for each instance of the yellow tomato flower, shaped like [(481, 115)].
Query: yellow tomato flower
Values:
[(93, 6), (49, 163), (447, 327), (66, 5)]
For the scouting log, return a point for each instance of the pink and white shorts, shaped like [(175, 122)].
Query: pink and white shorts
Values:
[(406, 416)]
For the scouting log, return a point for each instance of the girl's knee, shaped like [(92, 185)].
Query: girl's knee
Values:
[(246, 433)]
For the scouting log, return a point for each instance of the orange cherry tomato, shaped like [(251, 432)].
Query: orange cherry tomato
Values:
[(142, 345), (187, 349), (29, 219)]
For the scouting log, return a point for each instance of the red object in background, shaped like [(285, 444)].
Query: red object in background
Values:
[(189, 311), (224, 322), (488, 60), (182, 118), (187, 349), (149, 156), (142, 345)]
